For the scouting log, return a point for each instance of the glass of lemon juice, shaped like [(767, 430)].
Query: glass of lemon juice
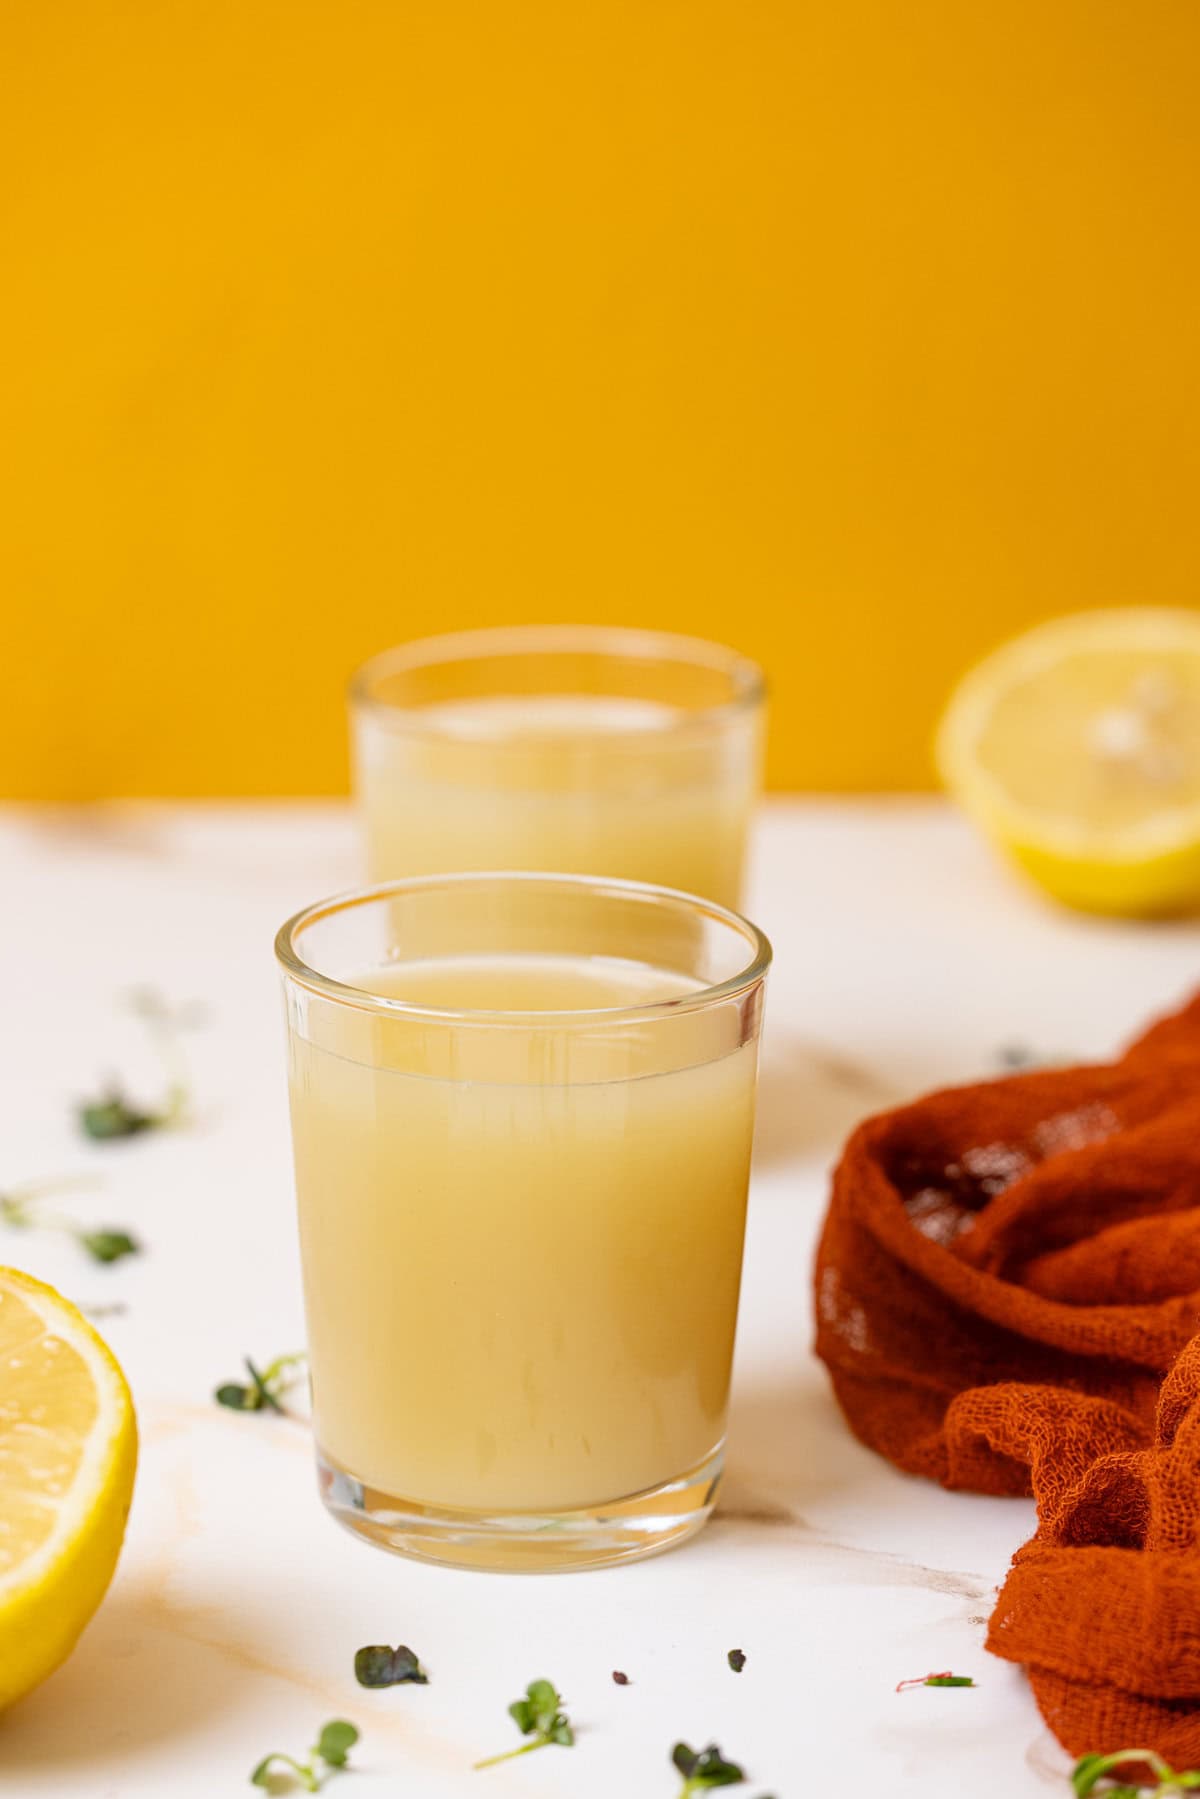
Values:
[(522, 1110), (574, 749)]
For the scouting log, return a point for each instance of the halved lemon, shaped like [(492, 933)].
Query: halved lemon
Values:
[(1076, 747), (68, 1450)]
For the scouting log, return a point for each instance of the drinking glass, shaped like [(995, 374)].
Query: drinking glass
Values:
[(569, 749), (522, 1110)]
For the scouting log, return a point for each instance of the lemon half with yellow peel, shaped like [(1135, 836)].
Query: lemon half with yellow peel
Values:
[(1076, 748), (68, 1451)]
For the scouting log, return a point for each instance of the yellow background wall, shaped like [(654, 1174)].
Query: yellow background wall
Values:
[(858, 334)]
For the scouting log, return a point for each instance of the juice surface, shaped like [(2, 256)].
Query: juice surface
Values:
[(521, 1292)]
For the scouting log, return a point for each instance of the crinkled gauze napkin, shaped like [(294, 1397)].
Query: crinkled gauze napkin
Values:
[(1008, 1300)]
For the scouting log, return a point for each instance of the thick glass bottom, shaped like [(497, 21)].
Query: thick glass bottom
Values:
[(623, 1530)]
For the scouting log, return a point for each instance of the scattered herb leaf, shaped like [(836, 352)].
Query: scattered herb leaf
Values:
[(112, 1115), (335, 1742), (21, 1209), (108, 1246), (379, 1666), (619, 1679), (737, 1660), (266, 1386), (328, 1754), (703, 1769), (1093, 1768), (540, 1716), (936, 1680)]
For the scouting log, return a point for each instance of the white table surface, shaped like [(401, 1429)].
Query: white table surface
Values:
[(904, 957)]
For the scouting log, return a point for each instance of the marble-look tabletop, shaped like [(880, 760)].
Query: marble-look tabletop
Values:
[(904, 957)]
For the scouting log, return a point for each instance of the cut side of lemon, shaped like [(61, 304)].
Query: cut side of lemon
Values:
[(1076, 748), (68, 1451)]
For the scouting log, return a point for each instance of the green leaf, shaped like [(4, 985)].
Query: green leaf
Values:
[(949, 1680), (238, 1399), (265, 1386), (544, 1703), (379, 1666), (113, 1116), (703, 1769), (538, 1716), (108, 1246), (336, 1741)]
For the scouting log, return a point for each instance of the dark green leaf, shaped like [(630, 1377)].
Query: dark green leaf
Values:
[(685, 1759), (379, 1666), (113, 1116), (238, 1399), (336, 1741), (109, 1246), (737, 1660), (562, 1733), (705, 1768), (521, 1713)]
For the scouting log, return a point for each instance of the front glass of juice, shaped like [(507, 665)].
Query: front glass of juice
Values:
[(522, 1108), (572, 749)]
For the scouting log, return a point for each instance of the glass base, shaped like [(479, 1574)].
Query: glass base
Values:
[(624, 1530)]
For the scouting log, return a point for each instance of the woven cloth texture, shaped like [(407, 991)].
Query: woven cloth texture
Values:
[(1008, 1301)]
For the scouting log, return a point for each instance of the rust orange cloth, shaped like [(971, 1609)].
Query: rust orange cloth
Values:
[(1008, 1289)]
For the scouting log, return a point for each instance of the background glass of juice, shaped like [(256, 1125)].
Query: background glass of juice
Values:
[(570, 749), (522, 1110)]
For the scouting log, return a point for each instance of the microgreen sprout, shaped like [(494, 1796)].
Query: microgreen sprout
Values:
[(936, 1680), (327, 1755), (21, 1208), (539, 1716), (113, 1115), (1094, 1768), (703, 1769), (266, 1387), (379, 1666)]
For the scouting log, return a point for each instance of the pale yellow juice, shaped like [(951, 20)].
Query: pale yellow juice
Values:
[(575, 783), (522, 1257)]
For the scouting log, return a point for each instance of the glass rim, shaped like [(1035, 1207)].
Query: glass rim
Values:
[(620, 642), (362, 999)]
